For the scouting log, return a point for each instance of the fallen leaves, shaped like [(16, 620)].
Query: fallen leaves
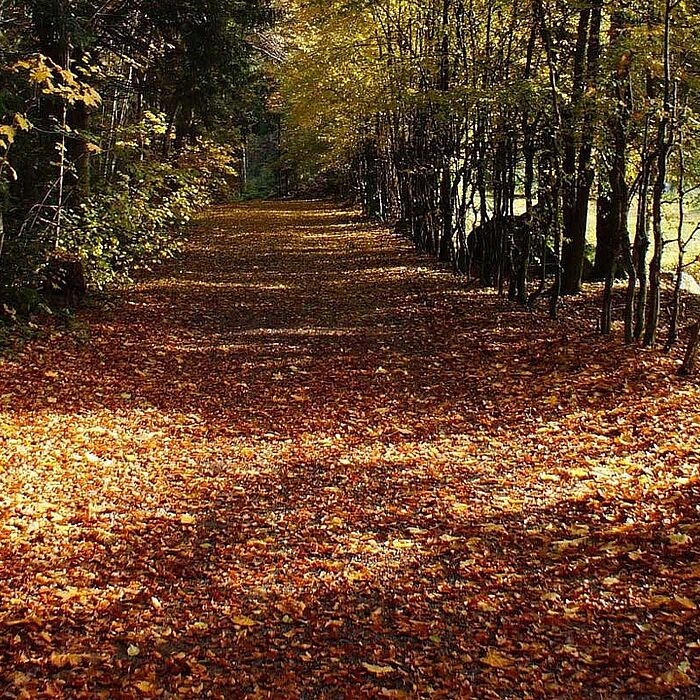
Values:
[(684, 602), (69, 660), (679, 539), (277, 473), (243, 621), (676, 678), (378, 670), (497, 660)]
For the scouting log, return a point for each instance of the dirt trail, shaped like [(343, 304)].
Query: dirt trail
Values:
[(301, 462)]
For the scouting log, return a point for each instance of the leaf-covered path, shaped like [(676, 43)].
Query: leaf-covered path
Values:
[(302, 463)]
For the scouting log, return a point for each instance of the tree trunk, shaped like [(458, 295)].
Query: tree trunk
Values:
[(691, 353), (604, 263), (641, 247), (578, 178), (78, 119), (664, 143)]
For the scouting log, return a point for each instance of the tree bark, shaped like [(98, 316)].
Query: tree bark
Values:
[(579, 174), (663, 145), (691, 353)]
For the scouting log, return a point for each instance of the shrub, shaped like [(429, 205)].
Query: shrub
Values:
[(141, 218)]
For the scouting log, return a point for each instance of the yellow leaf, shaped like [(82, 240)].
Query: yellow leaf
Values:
[(379, 670), (497, 660), (187, 520), (133, 650), (144, 686), (495, 529), (354, 575), (449, 538), (22, 123), (402, 544), (676, 678), (579, 530), (40, 74), (563, 545), (613, 548), (687, 603), (67, 660), (243, 621), (8, 132), (659, 600)]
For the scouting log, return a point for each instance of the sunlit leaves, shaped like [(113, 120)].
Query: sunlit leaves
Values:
[(57, 81), (434, 528), (497, 660)]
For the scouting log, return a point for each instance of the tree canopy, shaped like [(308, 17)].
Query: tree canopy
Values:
[(120, 119), (452, 115)]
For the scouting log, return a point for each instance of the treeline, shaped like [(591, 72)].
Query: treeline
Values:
[(486, 129), (118, 120)]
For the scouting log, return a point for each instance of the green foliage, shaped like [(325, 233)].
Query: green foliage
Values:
[(118, 123), (142, 217)]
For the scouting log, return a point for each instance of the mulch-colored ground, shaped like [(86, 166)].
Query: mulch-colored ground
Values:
[(302, 462)]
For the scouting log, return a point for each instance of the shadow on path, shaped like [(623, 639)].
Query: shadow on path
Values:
[(302, 462)]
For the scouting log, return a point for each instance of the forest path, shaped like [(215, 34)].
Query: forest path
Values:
[(301, 462)]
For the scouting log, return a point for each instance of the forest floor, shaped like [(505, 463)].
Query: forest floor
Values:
[(302, 462)]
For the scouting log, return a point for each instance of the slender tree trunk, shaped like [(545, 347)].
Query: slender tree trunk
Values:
[(605, 237), (577, 178), (664, 144), (641, 243), (615, 242), (680, 264), (691, 354), (557, 157)]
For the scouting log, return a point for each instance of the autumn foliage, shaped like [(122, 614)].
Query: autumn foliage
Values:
[(301, 462)]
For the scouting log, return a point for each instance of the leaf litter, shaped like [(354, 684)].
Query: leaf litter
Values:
[(301, 462)]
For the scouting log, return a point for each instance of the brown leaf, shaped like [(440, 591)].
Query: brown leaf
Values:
[(497, 660)]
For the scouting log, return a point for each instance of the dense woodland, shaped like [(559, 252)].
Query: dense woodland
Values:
[(120, 120), (497, 136), (491, 132)]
